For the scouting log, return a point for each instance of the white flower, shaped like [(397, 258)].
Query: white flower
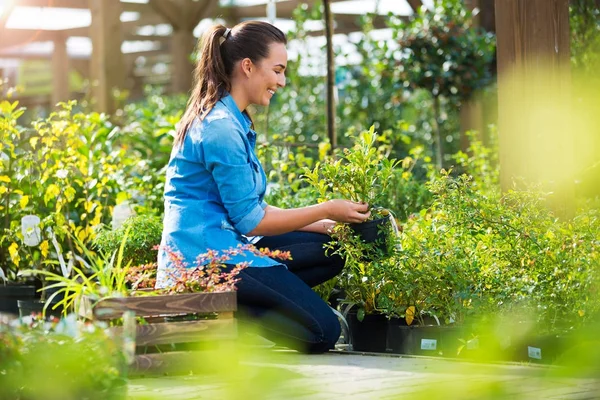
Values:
[(62, 173)]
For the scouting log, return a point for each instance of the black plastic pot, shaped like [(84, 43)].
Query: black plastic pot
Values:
[(370, 334), (542, 349), (432, 340), (29, 307), (11, 293), (375, 231)]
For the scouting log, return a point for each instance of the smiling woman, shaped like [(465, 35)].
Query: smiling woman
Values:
[(215, 188)]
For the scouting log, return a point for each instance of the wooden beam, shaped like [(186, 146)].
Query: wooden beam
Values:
[(60, 70), (285, 9), (168, 10), (536, 138), (21, 37), (183, 16), (415, 5), (201, 10), (79, 4)]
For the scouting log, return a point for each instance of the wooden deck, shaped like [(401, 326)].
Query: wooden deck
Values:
[(274, 374)]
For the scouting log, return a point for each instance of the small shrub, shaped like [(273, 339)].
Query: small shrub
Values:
[(144, 233)]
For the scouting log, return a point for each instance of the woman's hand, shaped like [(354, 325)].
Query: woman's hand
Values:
[(347, 211)]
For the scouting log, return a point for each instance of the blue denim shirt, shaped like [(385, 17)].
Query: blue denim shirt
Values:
[(214, 190)]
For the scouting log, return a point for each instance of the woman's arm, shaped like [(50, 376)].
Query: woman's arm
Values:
[(322, 226), (277, 221)]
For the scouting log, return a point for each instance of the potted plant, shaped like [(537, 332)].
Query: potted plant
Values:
[(362, 174), (143, 234)]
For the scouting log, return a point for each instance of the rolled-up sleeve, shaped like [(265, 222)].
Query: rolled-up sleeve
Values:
[(227, 159)]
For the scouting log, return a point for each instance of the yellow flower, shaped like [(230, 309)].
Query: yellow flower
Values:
[(13, 250)]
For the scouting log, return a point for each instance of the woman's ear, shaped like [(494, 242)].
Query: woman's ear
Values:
[(247, 66)]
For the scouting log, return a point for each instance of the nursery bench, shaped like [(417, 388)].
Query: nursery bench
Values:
[(170, 333)]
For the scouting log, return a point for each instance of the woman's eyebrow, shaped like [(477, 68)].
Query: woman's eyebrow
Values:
[(280, 65)]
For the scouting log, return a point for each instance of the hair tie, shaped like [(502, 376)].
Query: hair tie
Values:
[(225, 36)]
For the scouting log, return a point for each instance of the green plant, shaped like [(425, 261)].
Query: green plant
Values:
[(480, 255), (66, 359), (99, 275), (442, 53), (144, 233), (68, 170), (147, 129), (360, 174)]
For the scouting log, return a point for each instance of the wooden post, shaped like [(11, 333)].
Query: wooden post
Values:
[(60, 70), (415, 5), (471, 109), (182, 70), (107, 72), (536, 140), (183, 15), (330, 76)]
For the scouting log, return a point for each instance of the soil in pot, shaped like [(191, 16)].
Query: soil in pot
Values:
[(370, 334), (11, 293), (375, 231)]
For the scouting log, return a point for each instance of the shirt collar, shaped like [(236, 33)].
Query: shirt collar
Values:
[(242, 117)]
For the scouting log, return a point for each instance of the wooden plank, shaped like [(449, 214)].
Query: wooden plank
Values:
[(166, 304), (183, 332)]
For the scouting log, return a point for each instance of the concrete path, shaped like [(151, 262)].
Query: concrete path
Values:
[(284, 374)]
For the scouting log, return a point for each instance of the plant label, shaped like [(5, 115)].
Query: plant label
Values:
[(428, 344), (534, 352)]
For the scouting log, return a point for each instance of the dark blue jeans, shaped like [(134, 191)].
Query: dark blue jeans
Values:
[(280, 300)]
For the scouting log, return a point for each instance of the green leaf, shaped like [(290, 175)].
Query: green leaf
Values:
[(360, 314)]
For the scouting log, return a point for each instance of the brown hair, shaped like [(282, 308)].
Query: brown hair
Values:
[(219, 50)]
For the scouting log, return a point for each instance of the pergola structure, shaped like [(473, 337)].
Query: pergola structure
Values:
[(109, 68), (530, 33)]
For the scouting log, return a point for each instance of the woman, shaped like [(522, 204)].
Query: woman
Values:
[(215, 188)]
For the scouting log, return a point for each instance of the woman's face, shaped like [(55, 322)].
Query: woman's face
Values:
[(268, 75)]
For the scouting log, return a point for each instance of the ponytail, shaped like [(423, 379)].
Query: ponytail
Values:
[(219, 50), (210, 77)]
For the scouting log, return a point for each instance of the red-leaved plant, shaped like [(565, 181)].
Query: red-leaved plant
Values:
[(205, 276)]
